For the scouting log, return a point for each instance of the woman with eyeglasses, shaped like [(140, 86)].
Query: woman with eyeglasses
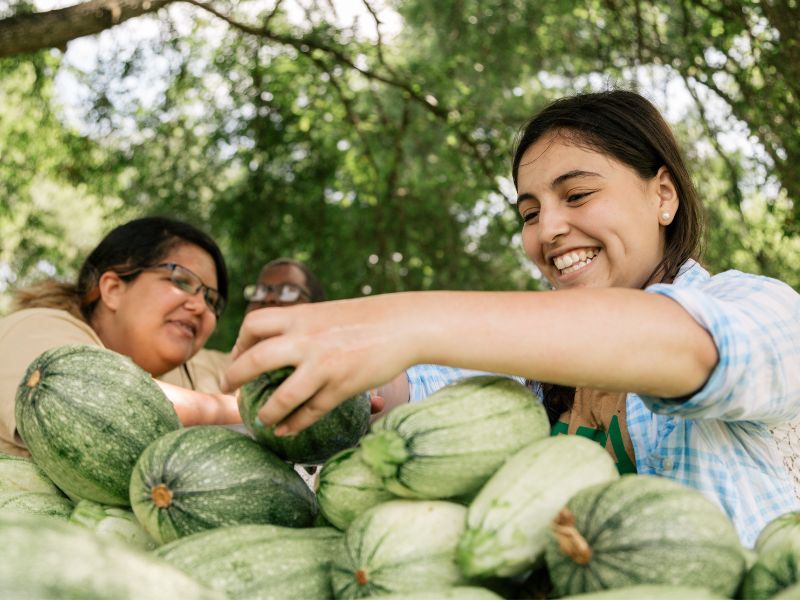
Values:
[(695, 370), (152, 290)]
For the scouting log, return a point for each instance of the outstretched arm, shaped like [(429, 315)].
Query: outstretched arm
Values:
[(199, 408), (612, 339)]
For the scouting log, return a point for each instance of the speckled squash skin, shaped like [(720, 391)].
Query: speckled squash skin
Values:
[(45, 559), (449, 445), (643, 530), (264, 562), (208, 476), (86, 414), (341, 428)]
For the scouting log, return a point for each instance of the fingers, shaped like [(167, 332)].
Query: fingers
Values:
[(258, 325), (265, 355), (309, 412), (287, 398)]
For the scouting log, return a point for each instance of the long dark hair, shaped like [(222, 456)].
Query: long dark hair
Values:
[(627, 127), (138, 243)]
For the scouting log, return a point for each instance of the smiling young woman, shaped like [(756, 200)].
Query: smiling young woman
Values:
[(151, 290), (690, 370)]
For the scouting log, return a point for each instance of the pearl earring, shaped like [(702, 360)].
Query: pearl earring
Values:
[(665, 216)]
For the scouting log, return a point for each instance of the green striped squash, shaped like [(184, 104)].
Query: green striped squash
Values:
[(208, 476), (451, 443), (643, 530), (347, 487), (19, 474), (778, 530), (341, 428), (776, 568), (35, 503), (258, 562), (45, 559), (398, 547), (110, 522), (86, 414), (508, 523)]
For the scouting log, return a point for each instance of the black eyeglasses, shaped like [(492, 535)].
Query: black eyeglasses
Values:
[(186, 281), (284, 292)]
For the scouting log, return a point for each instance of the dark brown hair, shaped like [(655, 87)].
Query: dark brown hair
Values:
[(136, 244), (627, 127)]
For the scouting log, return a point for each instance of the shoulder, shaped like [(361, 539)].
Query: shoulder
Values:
[(49, 322)]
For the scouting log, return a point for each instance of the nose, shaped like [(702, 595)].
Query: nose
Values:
[(196, 302), (553, 222)]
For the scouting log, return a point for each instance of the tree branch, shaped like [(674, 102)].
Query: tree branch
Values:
[(30, 32)]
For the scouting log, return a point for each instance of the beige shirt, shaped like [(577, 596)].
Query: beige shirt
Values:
[(27, 333), (601, 416)]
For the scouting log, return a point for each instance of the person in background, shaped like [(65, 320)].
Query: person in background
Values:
[(283, 282), (693, 369), (152, 290)]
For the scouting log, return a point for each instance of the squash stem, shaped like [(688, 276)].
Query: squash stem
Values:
[(384, 451)]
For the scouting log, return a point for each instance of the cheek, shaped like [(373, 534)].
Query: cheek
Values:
[(532, 247), (206, 328)]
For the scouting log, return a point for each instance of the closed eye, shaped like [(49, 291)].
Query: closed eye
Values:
[(530, 217), (578, 196)]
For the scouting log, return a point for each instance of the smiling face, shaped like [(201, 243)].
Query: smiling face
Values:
[(590, 220), (154, 322)]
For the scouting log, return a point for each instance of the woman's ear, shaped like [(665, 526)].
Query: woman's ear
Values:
[(111, 287), (668, 200)]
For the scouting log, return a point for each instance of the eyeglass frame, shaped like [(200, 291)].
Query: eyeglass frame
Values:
[(216, 307), (274, 288)]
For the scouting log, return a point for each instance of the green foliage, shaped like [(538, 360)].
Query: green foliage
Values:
[(383, 163)]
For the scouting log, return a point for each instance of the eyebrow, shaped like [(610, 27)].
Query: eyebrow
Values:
[(574, 174)]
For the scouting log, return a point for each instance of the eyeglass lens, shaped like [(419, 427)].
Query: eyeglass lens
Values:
[(285, 292), (190, 283)]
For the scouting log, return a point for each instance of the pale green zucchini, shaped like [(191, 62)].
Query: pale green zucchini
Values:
[(455, 593), (400, 546), (508, 523), (778, 530), (258, 562), (19, 474), (347, 487), (652, 592), (112, 523), (44, 559), (777, 568), (448, 445), (35, 503)]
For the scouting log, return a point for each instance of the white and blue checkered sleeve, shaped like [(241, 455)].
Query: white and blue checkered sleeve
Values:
[(755, 324), (425, 379)]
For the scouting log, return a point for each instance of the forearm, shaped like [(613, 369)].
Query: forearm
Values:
[(614, 339), (198, 408)]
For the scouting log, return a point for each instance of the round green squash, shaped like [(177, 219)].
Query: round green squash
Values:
[(777, 531), (45, 559), (86, 414), (258, 562), (643, 530), (398, 547), (110, 522), (208, 476), (777, 568), (347, 487), (449, 445), (19, 474), (35, 503), (341, 428)]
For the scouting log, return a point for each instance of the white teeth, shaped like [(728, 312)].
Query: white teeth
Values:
[(572, 261)]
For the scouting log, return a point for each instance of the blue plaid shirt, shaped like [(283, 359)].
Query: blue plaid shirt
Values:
[(718, 440)]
